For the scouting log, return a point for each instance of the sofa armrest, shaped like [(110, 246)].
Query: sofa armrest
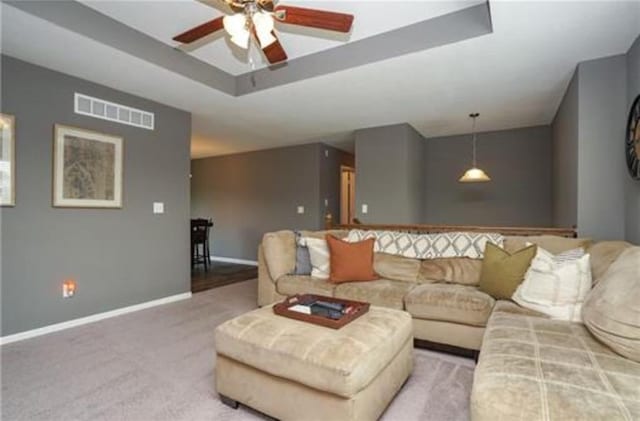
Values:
[(267, 292)]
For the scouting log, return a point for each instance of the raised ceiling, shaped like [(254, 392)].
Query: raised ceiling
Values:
[(515, 76), (173, 17)]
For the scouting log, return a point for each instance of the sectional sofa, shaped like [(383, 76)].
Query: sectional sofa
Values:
[(530, 367)]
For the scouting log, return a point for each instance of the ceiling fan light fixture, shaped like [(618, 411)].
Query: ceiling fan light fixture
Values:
[(263, 23), (266, 39), (235, 24), (241, 39)]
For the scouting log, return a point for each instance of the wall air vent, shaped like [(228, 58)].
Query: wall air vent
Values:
[(105, 110)]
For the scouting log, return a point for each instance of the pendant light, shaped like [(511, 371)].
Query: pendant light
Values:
[(474, 174)]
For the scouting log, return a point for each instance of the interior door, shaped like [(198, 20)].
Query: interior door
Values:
[(347, 195)]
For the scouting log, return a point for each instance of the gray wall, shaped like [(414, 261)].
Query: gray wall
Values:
[(601, 167), (632, 187), (416, 146), (518, 162), (251, 193), (565, 158), (331, 160), (117, 257), (388, 174)]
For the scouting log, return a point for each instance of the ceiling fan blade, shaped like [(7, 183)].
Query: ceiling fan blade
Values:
[(274, 52), (200, 31), (332, 21)]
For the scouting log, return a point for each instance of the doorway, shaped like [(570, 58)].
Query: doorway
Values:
[(347, 194)]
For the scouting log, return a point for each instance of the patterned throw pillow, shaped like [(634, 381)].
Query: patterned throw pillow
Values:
[(429, 246), (319, 254), (556, 285)]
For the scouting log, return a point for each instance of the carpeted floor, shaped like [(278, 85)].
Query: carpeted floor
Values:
[(158, 364)]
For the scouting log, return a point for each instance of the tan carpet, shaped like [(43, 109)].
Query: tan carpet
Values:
[(158, 364)]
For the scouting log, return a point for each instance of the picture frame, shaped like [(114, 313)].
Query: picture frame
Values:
[(7, 160), (87, 168)]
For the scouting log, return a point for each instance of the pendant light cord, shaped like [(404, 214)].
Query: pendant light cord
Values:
[(473, 131)]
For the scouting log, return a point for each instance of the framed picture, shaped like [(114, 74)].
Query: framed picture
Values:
[(87, 169), (7, 160)]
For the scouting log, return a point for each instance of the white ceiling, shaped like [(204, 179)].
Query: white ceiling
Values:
[(514, 77), (171, 18)]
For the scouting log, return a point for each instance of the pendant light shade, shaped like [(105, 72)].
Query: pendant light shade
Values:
[(474, 174)]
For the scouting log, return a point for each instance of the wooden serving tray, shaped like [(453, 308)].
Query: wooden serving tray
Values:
[(282, 309)]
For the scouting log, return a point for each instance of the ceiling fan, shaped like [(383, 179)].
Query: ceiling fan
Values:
[(257, 18)]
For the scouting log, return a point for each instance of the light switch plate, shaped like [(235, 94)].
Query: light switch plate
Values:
[(300, 210), (326, 203), (158, 207), (365, 208)]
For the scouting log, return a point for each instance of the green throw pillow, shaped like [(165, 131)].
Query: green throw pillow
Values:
[(502, 272)]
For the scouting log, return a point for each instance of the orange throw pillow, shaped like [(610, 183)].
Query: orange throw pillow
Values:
[(350, 262)]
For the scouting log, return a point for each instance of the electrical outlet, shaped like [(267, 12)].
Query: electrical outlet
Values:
[(326, 153), (300, 210), (158, 207), (365, 208), (68, 289)]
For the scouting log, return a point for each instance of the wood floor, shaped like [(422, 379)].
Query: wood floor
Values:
[(220, 274)]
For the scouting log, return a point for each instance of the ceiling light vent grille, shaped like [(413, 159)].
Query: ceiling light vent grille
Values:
[(105, 110)]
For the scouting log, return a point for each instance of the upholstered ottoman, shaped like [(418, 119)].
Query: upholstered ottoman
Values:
[(293, 370)]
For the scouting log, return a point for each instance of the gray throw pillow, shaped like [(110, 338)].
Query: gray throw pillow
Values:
[(303, 261)]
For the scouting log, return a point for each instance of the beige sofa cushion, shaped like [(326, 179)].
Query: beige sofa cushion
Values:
[(449, 303), (603, 253), (459, 270), (399, 268), (383, 292), (612, 309), (323, 234), (341, 362), (504, 306), (293, 284), (551, 243), (279, 252), (532, 368)]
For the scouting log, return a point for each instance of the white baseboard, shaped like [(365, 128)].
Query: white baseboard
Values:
[(90, 319), (232, 260)]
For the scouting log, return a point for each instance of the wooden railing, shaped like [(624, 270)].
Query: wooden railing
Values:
[(426, 229)]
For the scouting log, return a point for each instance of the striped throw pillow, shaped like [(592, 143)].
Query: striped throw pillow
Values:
[(556, 285)]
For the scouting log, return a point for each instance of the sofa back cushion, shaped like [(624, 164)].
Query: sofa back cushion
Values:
[(603, 254), (398, 268), (552, 243), (459, 270), (322, 234), (279, 253), (612, 309)]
